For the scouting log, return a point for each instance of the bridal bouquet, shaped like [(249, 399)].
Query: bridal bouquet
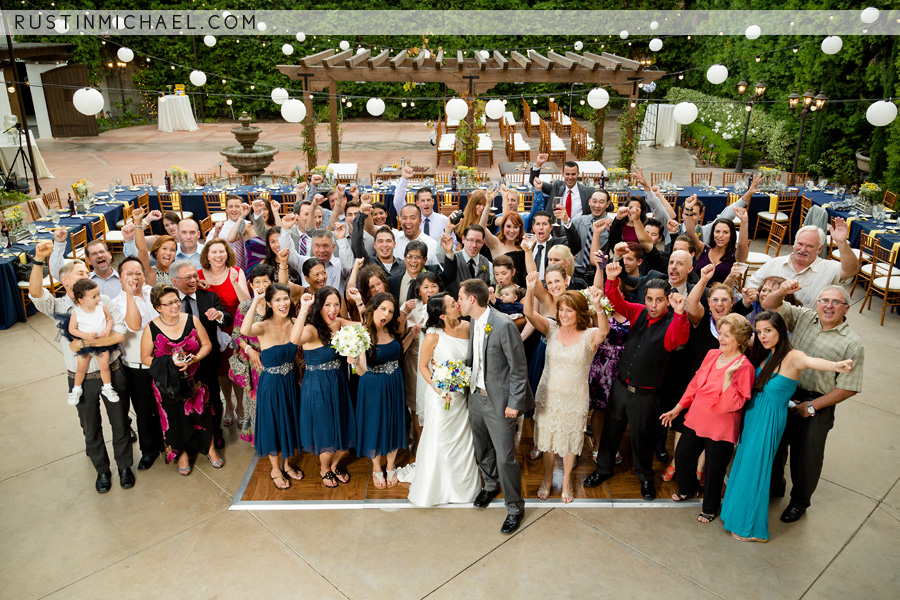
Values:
[(351, 340), (451, 376)]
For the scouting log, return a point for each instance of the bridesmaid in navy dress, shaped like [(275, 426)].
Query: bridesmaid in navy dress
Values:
[(381, 399), (277, 410), (327, 424)]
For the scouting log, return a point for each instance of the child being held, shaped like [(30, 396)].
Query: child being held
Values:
[(508, 299), (90, 320)]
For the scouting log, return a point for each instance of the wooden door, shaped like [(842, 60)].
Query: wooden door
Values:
[(60, 85)]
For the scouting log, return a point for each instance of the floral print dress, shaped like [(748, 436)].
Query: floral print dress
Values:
[(242, 372)]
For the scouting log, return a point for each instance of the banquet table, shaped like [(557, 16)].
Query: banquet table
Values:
[(344, 169), (176, 114), (8, 152), (591, 166), (511, 168), (887, 234)]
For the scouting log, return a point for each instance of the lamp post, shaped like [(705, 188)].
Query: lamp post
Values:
[(757, 95), (811, 104)]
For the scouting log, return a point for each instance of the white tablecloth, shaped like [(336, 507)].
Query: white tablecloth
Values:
[(176, 114), (8, 152), (344, 168), (591, 166), (668, 131)]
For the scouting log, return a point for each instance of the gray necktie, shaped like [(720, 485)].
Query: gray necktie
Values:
[(427, 229)]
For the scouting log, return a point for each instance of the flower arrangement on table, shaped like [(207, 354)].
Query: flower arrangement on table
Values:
[(451, 376), (351, 341), (464, 171), (14, 218), (770, 176), (617, 177), (870, 192), (324, 171), (82, 188)]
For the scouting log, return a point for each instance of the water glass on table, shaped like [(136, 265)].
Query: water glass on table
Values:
[(54, 216)]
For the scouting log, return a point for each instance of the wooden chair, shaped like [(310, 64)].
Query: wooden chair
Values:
[(671, 198), (798, 179), (655, 178), (448, 202), (239, 179), (98, 229), (696, 177), (890, 200), (140, 178), (449, 124), (731, 178), (34, 208), (204, 178), (48, 284), (617, 199), (446, 148), (143, 201), (869, 270), (700, 219), (263, 195), (755, 260), (485, 148), (442, 177), (171, 201), (79, 241), (805, 205), (518, 148), (288, 201), (282, 179), (784, 211), (346, 178), (889, 291), (114, 239), (215, 206), (206, 226), (526, 199), (127, 217), (51, 199), (480, 177)]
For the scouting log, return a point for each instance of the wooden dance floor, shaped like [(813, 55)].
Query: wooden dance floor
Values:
[(257, 492)]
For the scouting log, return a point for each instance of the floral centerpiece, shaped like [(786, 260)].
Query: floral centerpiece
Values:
[(466, 176), (451, 376), (14, 218), (179, 177), (82, 189), (770, 177), (351, 341), (326, 173), (617, 177), (870, 192)]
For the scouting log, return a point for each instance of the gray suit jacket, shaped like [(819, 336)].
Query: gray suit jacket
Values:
[(558, 188), (505, 367)]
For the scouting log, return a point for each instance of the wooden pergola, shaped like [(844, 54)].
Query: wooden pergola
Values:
[(470, 77)]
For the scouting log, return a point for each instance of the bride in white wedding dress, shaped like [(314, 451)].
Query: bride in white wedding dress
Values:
[(445, 470)]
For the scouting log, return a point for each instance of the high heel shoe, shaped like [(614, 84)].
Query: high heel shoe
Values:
[(217, 464), (669, 473)]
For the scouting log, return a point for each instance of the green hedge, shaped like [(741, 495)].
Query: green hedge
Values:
[(726, 152)]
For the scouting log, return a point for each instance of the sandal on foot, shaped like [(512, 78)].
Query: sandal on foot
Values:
[(295, 474), (535, 454), (543, 492), (746, 539), (285, 484), (339, 472), (681, 497), (706, 517), (185, 470), (228, 420), (378, 479), (329, 476), (217, 464), (392, 478), (568, 496), (669, 473)]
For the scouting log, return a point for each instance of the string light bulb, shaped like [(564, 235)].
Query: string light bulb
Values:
[(412, 104), (758, 58), (349, 104)]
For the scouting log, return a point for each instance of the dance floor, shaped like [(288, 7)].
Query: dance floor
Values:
[(257, 492)]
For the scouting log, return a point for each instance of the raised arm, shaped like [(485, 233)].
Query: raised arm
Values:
[(297, 337), (690, 214), (58, 256), (400, 191), (695, 298), (849, 262), (742, 248), (36, 280), (489, 238), (662, 210), (537, 320), (634, 214)]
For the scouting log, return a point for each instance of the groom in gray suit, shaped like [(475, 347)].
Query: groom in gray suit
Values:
[(498, 392)]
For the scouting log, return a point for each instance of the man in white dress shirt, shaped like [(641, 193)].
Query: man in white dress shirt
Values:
[(433, 223), (98, 256), (410, 229), (333, 249), (574, 196), (189, 247)]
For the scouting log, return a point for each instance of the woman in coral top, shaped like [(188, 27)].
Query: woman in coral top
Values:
[(714, 400), (230, 285)]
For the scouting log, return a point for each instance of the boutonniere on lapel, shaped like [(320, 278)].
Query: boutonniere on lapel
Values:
[(483, 268), (487, 330)]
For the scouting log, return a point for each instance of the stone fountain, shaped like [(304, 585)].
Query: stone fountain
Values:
[(249, 157)]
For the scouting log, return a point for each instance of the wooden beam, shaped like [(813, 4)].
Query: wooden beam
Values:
[(561, 60), (540, 60), (333, 109), (359, 59), (626, 62), (459, 60), (338, 58), (607, 63), (439, 60), (398, 60), (380, 59), (501, 60), (479, 59), (419, 60), (584, 62), (312, 59), (524, 62)]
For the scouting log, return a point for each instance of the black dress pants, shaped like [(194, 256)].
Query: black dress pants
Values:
[(92, 422), (140, 390), (718, 455), (638, 410)]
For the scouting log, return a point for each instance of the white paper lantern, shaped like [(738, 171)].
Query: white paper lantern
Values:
[(261, 26), (375, 106), (654, 25), (60, 26), (457, 109), (361, 50), (717, 74), (287, 49), (88, 101), (293, 110), (881, 113), (426, 53), (753, 32), (685, 113), (485, 54), (869, 15), (579, 45), (301, 37), (656, 44), (623, 34), (494, 109), (279, 95), (125, 54), (345, 45), (209, 40), (598, 98), (832, 44), (198, 78)]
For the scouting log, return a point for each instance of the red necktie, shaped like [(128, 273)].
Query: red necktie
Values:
[(569, 203)]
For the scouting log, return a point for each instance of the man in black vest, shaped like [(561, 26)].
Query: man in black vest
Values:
[(655, 333)]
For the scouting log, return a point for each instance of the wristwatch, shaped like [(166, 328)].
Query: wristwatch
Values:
[(810, 408)]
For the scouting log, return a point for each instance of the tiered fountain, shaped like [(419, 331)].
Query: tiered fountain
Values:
[(249, 158)]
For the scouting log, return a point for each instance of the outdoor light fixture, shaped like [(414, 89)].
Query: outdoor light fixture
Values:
[(811, 104), (759, 90)]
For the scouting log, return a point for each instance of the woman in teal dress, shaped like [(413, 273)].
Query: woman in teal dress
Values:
[(327, 423), (381, 399), (277, 411), (745, 511)]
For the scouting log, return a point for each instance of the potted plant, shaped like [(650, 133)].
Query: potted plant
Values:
[(862, 161)]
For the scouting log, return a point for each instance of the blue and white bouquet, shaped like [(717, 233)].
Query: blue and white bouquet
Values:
[(451, 376)]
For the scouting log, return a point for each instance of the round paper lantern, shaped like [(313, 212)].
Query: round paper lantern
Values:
[(494, 109), (293, 110), (287, 49), (717, 74), (209, 40), (485, 54), (89, 101), (345, 45), (623, 34), (360, 51), (598, 98), (279, 95), (198, 78), (881, 113), (685, 113), (656, 44), (579, 45), (261, 26), (457, 109), (375, 106), (832, 44), (60, 26), (654, 25), (301, 37), (753, 32), (869, 15), (125, 54)]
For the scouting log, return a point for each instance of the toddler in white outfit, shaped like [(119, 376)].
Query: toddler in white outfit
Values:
[(90, 320)]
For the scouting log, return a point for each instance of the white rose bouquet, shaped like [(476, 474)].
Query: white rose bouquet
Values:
[(351, 341)]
